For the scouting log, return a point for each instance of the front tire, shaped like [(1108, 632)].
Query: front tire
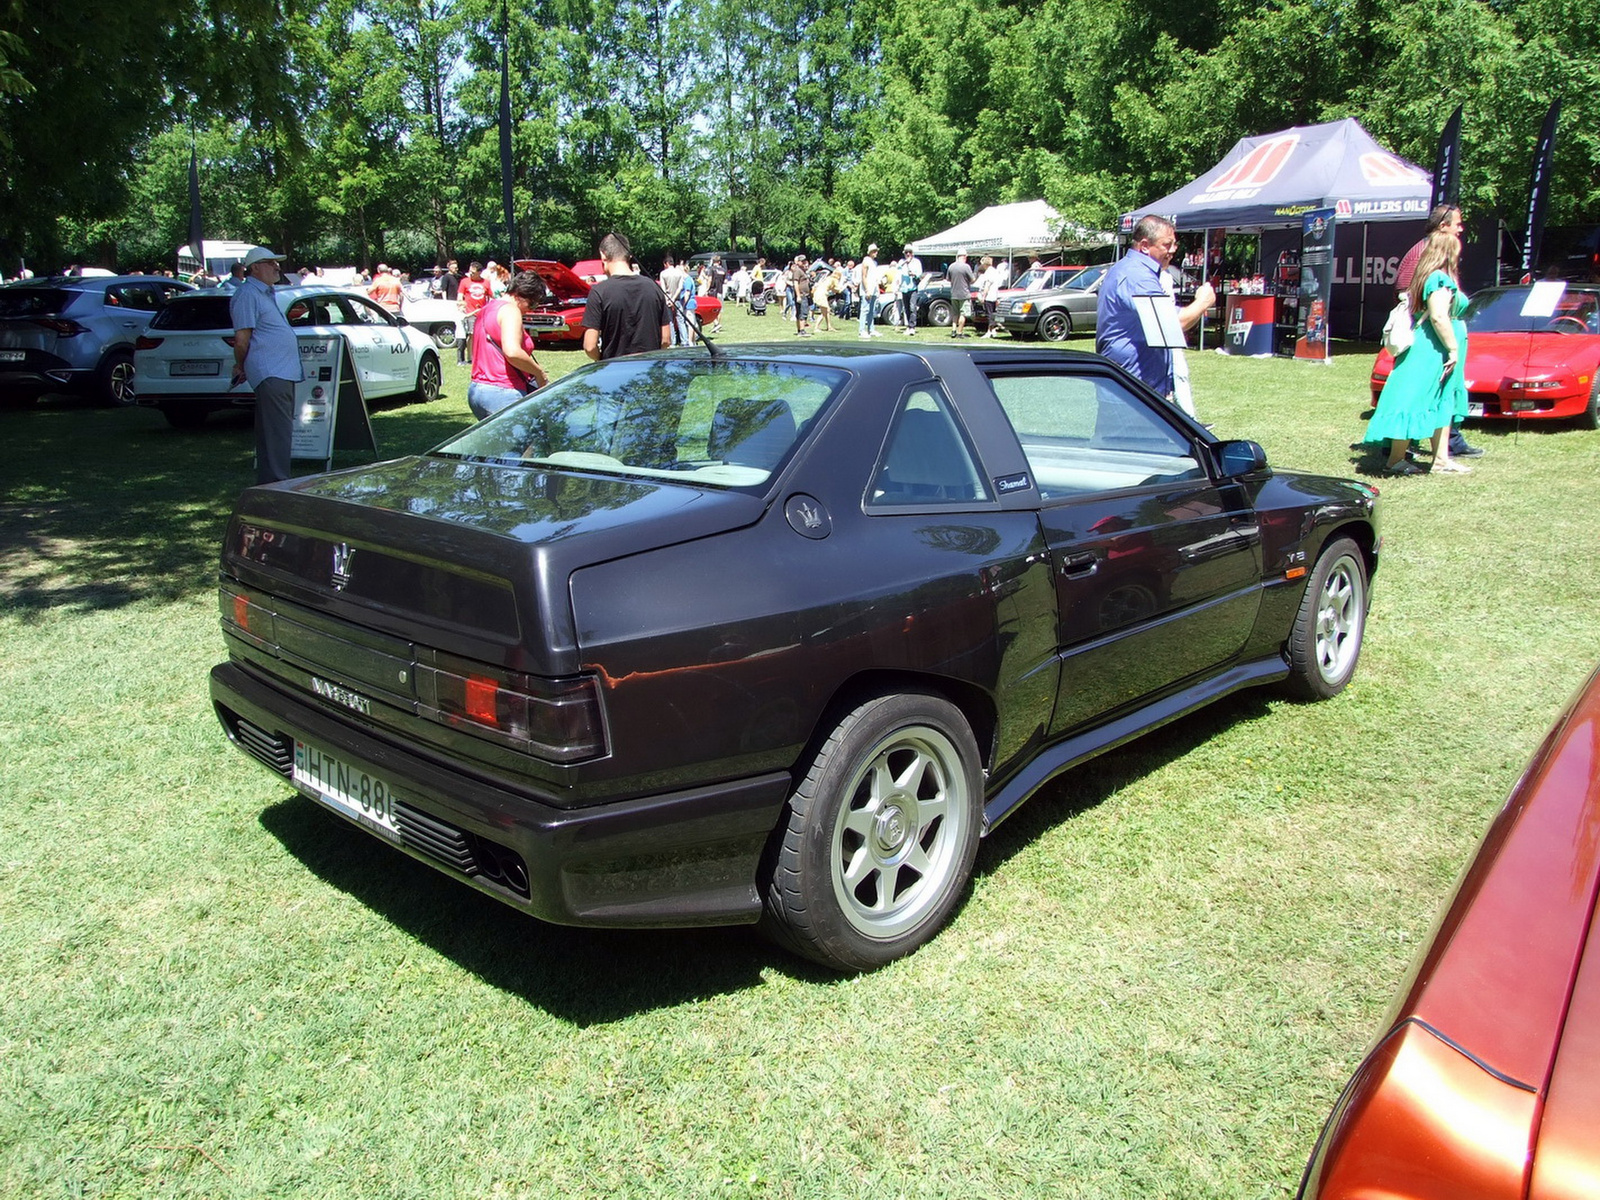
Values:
[(880, 836), (1590, 417), (1325, 643), (428, 380), (1055, 326)]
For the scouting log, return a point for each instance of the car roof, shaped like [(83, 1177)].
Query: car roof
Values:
[(91, 282), (843, 354)]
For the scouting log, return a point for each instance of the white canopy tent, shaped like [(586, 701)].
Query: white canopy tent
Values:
[(1008, 229)]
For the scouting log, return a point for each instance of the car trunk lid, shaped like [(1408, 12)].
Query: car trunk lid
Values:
[(476, 557)]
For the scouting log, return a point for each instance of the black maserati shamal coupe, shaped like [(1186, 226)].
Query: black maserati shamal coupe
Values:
[(770, 634)]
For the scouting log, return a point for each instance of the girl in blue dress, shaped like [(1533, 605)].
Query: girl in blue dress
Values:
[(1427, 389)]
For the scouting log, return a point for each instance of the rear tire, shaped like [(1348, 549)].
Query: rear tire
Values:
[(428, 380), (939, 312), (113, 379), (880, 836), (1325, 643), (444, 334)]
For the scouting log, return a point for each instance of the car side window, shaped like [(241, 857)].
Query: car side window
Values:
[(366, 314), (1084, 434), (140, 297), (926, 459)]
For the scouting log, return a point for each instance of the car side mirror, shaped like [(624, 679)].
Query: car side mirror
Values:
[(1240, 458)]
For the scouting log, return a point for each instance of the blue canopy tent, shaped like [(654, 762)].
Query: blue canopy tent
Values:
[(1265, 185)]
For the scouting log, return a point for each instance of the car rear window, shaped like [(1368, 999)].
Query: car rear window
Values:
[(711, 422), (198, 312), (34, 302)]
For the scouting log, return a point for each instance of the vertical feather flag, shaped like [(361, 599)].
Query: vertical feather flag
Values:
[(197, 245), (1447, 163), (505, 130), (1539, 190)]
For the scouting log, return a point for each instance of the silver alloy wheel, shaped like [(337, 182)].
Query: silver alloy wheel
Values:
[(1341, 612), (900, 832), (118, 380)]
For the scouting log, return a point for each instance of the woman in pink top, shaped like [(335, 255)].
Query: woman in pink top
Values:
[(503, 367)]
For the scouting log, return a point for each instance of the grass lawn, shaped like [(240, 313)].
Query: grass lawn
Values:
[(1169, 962)]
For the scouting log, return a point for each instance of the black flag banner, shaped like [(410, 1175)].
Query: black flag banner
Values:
[(197, 245), (1539, 190), (1447, 164), (505, 131)]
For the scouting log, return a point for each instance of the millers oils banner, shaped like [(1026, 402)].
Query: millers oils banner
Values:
[(1316, 284)]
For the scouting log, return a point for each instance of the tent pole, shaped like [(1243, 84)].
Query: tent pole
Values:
[(1205, 265)]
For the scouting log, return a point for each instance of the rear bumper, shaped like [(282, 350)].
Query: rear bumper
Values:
[(42, 377), (671, 860)]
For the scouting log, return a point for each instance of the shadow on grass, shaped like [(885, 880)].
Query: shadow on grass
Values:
[(586, 976), (1090, 784), (107, 507), (1369, 458), (596, 976)]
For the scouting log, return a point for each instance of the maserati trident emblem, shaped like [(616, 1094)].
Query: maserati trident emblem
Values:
[(342, 554)]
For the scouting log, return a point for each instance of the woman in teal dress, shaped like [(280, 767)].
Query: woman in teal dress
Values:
[(1427, 389)]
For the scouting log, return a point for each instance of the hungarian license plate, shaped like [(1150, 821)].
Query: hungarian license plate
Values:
[(195, 366), (345, 788), (12, 355)]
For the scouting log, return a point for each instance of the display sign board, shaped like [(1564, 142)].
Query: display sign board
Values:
[(330, 412), (1316, 285)]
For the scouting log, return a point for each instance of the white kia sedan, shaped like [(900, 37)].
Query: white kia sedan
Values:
[(183, 364)]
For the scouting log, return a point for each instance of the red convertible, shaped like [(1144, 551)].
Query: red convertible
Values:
[(1541, 367), (558, 319)]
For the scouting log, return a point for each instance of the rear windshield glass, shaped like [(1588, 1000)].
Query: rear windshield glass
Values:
[(717, 422), (34, 302), (201, 312)]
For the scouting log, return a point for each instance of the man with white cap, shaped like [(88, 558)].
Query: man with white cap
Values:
[(267, 354)]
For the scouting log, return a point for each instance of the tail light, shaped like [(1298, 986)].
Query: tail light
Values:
[(245, 618), (554, 719), (145, 342), (61, 326)]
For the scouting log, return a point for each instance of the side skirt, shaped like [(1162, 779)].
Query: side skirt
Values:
[(1083, 746)]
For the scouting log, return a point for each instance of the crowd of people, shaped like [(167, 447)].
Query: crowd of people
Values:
[(1424, 400)]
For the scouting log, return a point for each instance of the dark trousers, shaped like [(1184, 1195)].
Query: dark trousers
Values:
[(274, 429)]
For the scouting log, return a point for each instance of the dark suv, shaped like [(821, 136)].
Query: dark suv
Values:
[(72, 333)]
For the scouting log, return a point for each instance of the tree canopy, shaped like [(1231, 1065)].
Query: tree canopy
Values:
[(354, 130)]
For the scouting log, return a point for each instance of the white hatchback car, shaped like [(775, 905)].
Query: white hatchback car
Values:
[(183, 364)]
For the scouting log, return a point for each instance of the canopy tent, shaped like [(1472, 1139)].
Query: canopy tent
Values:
[(1267, 185), (1005, 228), (1275, 179)]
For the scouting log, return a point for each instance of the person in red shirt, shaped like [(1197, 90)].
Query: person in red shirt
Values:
[(385, 290), (470, 299)]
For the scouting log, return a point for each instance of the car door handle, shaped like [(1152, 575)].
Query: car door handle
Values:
[(1080, 566)]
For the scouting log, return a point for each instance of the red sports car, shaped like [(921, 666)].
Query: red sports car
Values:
[(1485, 1080), (1518, 366), (558, 320)]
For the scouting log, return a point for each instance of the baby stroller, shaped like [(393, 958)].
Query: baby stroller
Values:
[(758, 298)]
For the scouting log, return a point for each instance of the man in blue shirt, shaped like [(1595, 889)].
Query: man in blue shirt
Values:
[(266, 352), (1119, 334)]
